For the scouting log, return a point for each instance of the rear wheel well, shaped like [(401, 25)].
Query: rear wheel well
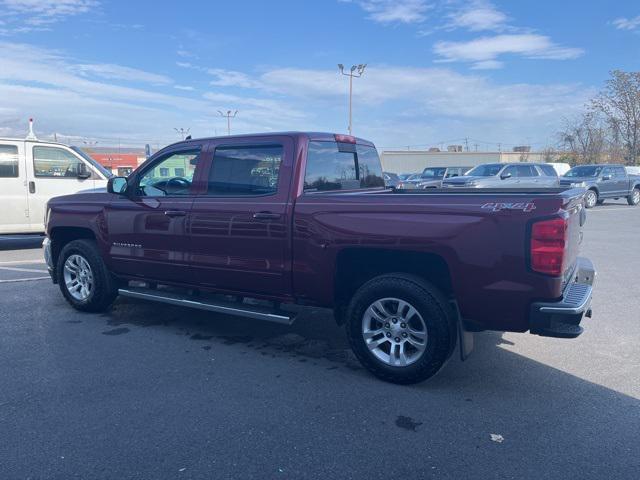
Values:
[(60, 236), (354, 267)]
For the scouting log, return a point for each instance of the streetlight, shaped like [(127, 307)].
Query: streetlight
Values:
[(355, 72), (228, 116), (182, 132)]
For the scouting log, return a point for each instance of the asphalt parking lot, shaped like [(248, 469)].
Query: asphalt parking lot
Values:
[(148, 391)]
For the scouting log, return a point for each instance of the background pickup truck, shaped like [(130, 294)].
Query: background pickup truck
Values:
[(262, 225), (602, 182)]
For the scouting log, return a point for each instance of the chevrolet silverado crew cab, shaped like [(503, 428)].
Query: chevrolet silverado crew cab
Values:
[(263, 225), (602, 182)]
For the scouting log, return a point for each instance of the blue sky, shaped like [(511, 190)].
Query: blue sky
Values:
[(438, 70)]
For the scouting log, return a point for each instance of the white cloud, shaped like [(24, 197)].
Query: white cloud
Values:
[(477, 16), (623, 23), (394, 11), (392, 105), (118, 72), (37, 13), (230, 78), (485, 49), (185, 88)]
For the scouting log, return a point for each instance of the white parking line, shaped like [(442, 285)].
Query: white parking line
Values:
[(25, 279), (611, 209), (15, 269), (23, 262)]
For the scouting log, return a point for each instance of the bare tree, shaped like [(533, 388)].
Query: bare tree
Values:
[(584, 137), (549, 155), (620, 104)]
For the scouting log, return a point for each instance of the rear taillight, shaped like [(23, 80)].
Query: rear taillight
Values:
[(548, 246)]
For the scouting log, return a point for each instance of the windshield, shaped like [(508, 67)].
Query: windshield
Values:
[(95, 164), (433, 172), (488, 170), (584, 171)]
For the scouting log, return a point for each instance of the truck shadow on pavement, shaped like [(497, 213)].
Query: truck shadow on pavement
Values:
[(552, 421)]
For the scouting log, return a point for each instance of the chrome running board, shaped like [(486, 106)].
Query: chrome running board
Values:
[(229, 308)]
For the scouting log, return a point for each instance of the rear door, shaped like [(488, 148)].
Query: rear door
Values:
[(548, 176), (148, 228), (607, 183), (241, 225), (13, 188), (528, 176)]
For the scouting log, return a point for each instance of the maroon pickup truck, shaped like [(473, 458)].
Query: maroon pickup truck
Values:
[(260, 225)]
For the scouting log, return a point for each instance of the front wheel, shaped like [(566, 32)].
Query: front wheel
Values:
[(634, 198), (400, 328), (590, 199), (83, 277)]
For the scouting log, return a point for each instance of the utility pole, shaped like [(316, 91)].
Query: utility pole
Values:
[(466, 144), (475, 147), (182, 132), (356, 72), (228, 116)]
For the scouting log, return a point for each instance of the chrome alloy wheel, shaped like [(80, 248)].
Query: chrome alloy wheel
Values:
[(78, 277), (636, 196), (591, 198), (394, 332)]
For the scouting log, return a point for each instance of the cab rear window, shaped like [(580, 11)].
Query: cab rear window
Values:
[(334, 166)]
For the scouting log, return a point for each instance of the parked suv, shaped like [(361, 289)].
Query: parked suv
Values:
[(431, 177), (507, 175), (602, 182)]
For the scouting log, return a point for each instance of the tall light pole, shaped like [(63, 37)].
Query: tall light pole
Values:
[(228, 116), (355, 72), (182, 132)]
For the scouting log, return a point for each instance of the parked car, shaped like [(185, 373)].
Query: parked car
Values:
[(506, 175), (32, 172), (405, 176), (410, 274), (559, 167), (602, 182), (431, 177), (391, 180), (633, 170)]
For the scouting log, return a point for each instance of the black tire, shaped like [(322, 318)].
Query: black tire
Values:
[(600, 201), (432, 306), (634, 198), (590, 199), (104, 289)]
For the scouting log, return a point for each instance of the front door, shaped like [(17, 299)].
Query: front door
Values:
[(241, 225), (607, 184), (13, 189), (148, 227), (52, 171)]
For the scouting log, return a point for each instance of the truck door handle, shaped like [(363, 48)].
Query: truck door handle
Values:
[(175, 213), (266, 216), (32, 187)]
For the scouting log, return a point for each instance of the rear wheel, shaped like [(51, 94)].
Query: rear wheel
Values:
[(590, 199), (634, 198), (400, 328), (83, 277)]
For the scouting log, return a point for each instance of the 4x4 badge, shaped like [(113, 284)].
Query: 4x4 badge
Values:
[(498, 206)]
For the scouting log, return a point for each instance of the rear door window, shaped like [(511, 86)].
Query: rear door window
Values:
[(548, 170), (8, 161), (526, 171), (334, 166), (245, 170)]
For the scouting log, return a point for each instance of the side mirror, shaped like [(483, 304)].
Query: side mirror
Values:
[(606, 177), (117, 185), (505, 175), (83, 171)]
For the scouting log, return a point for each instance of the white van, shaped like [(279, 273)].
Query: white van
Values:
[(32, 172)]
